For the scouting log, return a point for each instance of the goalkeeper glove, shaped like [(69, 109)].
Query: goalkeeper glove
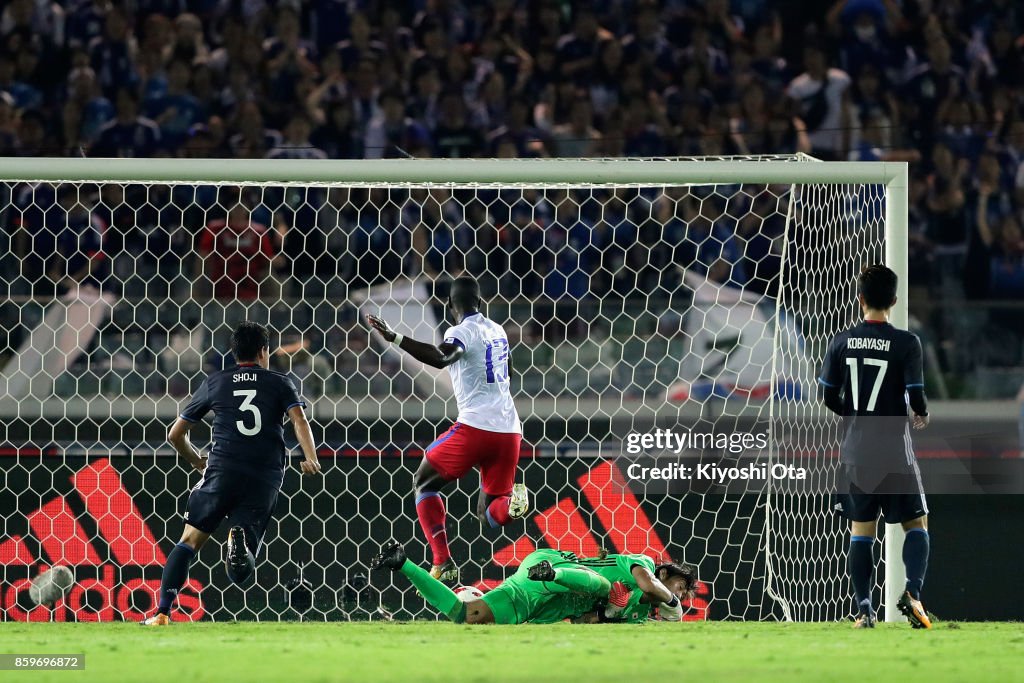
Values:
[(618, 598), (671, 610)]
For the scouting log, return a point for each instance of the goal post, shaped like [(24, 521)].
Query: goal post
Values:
[(896, 257), (662, 341)]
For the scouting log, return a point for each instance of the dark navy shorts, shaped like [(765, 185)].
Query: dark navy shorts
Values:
[(245, 501), (898, 497)]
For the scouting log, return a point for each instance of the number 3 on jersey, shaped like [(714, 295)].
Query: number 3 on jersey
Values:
[(249, 395), (496, 364)]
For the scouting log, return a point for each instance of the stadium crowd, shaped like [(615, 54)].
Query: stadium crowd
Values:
[(939, 83), (936, 82)]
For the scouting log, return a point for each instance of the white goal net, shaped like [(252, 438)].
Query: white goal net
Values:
[(698, 300)]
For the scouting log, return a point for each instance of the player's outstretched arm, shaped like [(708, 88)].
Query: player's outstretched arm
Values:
[(304, 433), (440, 356), (178, 436)]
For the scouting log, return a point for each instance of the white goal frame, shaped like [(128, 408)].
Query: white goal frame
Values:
[(491, 172)]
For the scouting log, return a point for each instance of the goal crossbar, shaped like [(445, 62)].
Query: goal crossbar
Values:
[(453, 171)]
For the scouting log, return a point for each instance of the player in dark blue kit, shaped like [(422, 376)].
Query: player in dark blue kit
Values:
[(870, 373), (245, 470)]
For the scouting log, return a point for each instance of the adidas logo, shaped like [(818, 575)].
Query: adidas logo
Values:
[(627, 526), (94, 527), (104, 590)]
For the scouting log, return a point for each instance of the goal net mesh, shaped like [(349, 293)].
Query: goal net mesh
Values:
[(628, 308)]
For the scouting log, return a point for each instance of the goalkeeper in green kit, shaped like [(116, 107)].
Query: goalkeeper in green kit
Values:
[(639, 585), (552, 586)]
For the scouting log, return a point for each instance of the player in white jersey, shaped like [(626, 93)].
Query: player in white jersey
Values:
[(487, 433)]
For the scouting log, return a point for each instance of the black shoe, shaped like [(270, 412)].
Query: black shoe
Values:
[(865, 620), (542, 571), (391, 556), (238, 552)]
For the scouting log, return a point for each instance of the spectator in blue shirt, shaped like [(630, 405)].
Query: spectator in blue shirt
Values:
[(648, 45), (23, 95), (865, 38), (128, 135), (296, 144), (79, 258), (454, 136), (996, 254), (113, 54), (643, 137), (85, 21), (390, 132), (570, 240), (577, 51), (32, 135), (86, 110), (708, 241), (178, 109), (936, 83)]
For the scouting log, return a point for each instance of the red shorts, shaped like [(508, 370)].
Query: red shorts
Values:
[(462, 447)]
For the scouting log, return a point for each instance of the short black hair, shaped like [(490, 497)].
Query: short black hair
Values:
[(681, 569), (877, 284), (247, 340), (465, 293)]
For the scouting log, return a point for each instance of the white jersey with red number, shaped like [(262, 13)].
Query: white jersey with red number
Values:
[(480, 378)]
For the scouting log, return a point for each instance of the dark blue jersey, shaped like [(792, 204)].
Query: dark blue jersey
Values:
[(249, 405), (873, 365)]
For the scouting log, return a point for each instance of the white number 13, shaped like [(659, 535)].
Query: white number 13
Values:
[(882, 366), (250, 396)]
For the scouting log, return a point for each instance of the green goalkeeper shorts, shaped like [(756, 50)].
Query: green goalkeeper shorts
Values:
[(519, 600)]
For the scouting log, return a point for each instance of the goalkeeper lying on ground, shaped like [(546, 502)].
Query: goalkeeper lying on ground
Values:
[(552, 586)]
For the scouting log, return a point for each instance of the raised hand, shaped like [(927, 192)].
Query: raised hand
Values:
[(381, 326)]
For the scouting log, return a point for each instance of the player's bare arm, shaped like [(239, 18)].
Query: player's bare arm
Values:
[(439, 356), (303, 432), (178, 437)]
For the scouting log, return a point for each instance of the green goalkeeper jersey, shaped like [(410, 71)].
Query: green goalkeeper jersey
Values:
[(618, 567), (520, 600)]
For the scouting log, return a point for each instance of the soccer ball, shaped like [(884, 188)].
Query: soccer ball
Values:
[(468, 593), (51, 586)]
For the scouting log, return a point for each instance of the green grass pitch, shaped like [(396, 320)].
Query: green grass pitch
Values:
[(428, 651)]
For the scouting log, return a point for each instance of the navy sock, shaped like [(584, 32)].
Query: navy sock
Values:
[(241, 577), (916, 546), (175, 575), (861, 567)]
